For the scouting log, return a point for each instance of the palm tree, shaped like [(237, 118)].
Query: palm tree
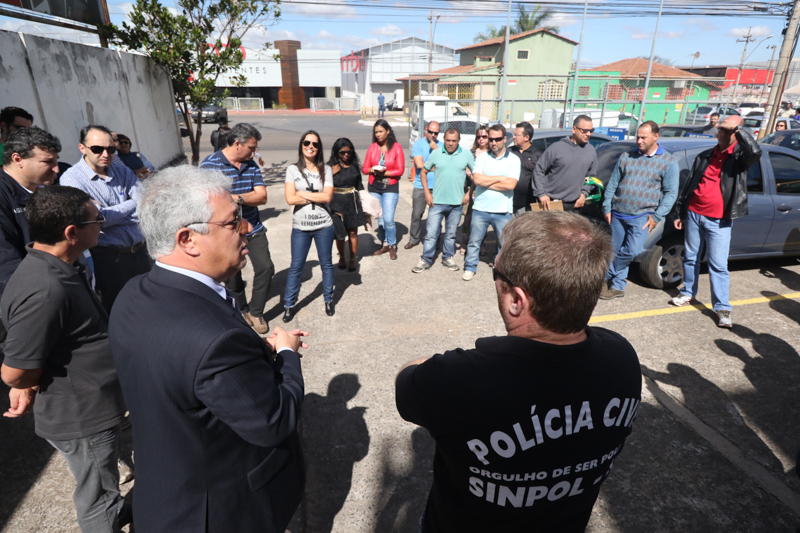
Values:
[(526, 21), (535, 20)]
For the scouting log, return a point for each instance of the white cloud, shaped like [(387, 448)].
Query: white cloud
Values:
[(640, 36), (755, 31), (327, 9), (390, 30)]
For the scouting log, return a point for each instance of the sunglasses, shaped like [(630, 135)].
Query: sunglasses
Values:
[(497, 274), (496, 139), (345, 152), (101, 220), (98, 150), (590, 130), (434, 133), (482, 136), (234, 225), (307, 143)]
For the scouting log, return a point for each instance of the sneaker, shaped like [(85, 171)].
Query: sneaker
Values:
[(449, 263), (468, 275), (609, 294), (422, 265), (681, 300), (257, 323), (724, 319)]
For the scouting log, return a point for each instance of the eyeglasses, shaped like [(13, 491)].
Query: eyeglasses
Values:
[(497, 274), (590, 130), (434, 133), (345, 152), (496, 139), (98, 150), (307, 143), (482, 136), (101, 220), (233, 225)]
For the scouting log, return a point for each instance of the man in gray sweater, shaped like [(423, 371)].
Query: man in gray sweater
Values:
[(560, 171)]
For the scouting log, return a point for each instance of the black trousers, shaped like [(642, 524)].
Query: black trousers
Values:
[(418, 206), (263, 268), (113, 270)]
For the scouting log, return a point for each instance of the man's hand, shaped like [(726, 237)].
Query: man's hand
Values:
[(434, 146), (21, 401), (580, 201), (142, 172), (545, 201), (607, 216), (732, 123), (428, 198), (650, 224), (678, 224), (281, 338), (465, 200)]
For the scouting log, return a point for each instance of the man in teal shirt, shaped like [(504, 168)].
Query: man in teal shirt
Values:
[(451, 163)]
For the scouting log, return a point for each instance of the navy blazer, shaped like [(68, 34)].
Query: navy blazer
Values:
[(214, 417)]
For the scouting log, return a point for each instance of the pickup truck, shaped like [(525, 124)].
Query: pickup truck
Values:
[(771, 229)]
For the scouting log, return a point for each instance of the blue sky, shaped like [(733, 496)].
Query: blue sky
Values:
[(352, 25)]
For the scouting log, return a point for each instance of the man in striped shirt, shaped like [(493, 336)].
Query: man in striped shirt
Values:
[(120, 253), (236, 161)]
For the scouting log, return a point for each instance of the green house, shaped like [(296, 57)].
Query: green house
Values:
[(619, 86)]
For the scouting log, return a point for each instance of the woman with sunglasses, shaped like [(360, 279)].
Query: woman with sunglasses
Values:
[(346, 202), (479, 145), (385, 163), (309, 188)]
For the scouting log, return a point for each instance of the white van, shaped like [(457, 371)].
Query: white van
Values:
[(439, 108)]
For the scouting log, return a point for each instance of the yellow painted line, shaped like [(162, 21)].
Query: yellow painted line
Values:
[(687, 308)]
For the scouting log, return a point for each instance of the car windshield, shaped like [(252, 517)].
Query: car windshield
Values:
[(607, 156), (752, 122), (703, 109), (749, 105), (670, 132), (786, 139)]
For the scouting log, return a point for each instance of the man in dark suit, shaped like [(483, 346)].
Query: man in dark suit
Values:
[(214, 406)]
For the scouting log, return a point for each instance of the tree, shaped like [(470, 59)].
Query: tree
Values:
[(534, 20), (195, 44), (660, 60), (526, 21)]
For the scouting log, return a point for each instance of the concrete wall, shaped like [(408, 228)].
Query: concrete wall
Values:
[(66, 86), (546, 55)]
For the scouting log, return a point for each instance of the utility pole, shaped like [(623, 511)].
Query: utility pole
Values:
[(769, 67), (781, 70), (504, 79), (650, 64), (747, 40), (577, 67), (430, 44)]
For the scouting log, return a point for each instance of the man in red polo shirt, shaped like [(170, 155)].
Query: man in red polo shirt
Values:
[(714, 195)]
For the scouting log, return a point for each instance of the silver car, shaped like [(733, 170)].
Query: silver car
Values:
[(702, 113)]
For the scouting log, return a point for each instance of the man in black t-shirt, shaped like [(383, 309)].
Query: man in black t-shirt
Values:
[(528, 425), (528, 156), (58, 353)]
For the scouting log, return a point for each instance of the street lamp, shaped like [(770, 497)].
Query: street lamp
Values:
[(747, 40)]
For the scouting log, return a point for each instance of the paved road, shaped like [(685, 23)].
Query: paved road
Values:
[(714, 447)]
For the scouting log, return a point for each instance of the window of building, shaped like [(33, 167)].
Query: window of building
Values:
[(677, 93), (583, 90), (522, 55), (551, 90), (613, 92)]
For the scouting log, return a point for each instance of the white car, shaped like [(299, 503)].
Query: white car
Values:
[(465, 126), (746, 108)]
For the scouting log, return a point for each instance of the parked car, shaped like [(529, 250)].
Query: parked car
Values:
[(748, 108), (211, 113), (787, 138), (702, 113), (753, 124), (769, 230), (681, 130)]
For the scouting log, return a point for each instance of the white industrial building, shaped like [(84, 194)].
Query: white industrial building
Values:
[(369, 71)]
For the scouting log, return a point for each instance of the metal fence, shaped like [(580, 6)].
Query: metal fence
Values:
[(230, 104), (545, 101), (250, 104), (336, 104)]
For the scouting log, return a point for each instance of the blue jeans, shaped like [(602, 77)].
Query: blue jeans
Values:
[(627, 239), (301, 244), (452, 216), (716, 232), (387, 232), (480, 223), (93, 462)]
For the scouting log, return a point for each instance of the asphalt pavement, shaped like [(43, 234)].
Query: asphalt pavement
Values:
[(714, 447)]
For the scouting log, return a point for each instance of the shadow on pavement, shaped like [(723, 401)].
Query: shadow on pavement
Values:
[(334, 438), (403, 496), (274, 173), (23, 456)]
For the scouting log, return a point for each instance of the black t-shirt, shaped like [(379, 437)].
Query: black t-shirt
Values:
[(525, 431), (523, 192), (348, 177), (56, 322), (14, 234)]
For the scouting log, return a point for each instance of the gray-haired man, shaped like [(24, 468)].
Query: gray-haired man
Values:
[(236, 161)]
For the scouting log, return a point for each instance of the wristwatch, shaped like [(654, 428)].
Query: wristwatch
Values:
[(240, 201)]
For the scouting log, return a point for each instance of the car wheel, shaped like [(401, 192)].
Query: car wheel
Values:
[(662, 267)]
